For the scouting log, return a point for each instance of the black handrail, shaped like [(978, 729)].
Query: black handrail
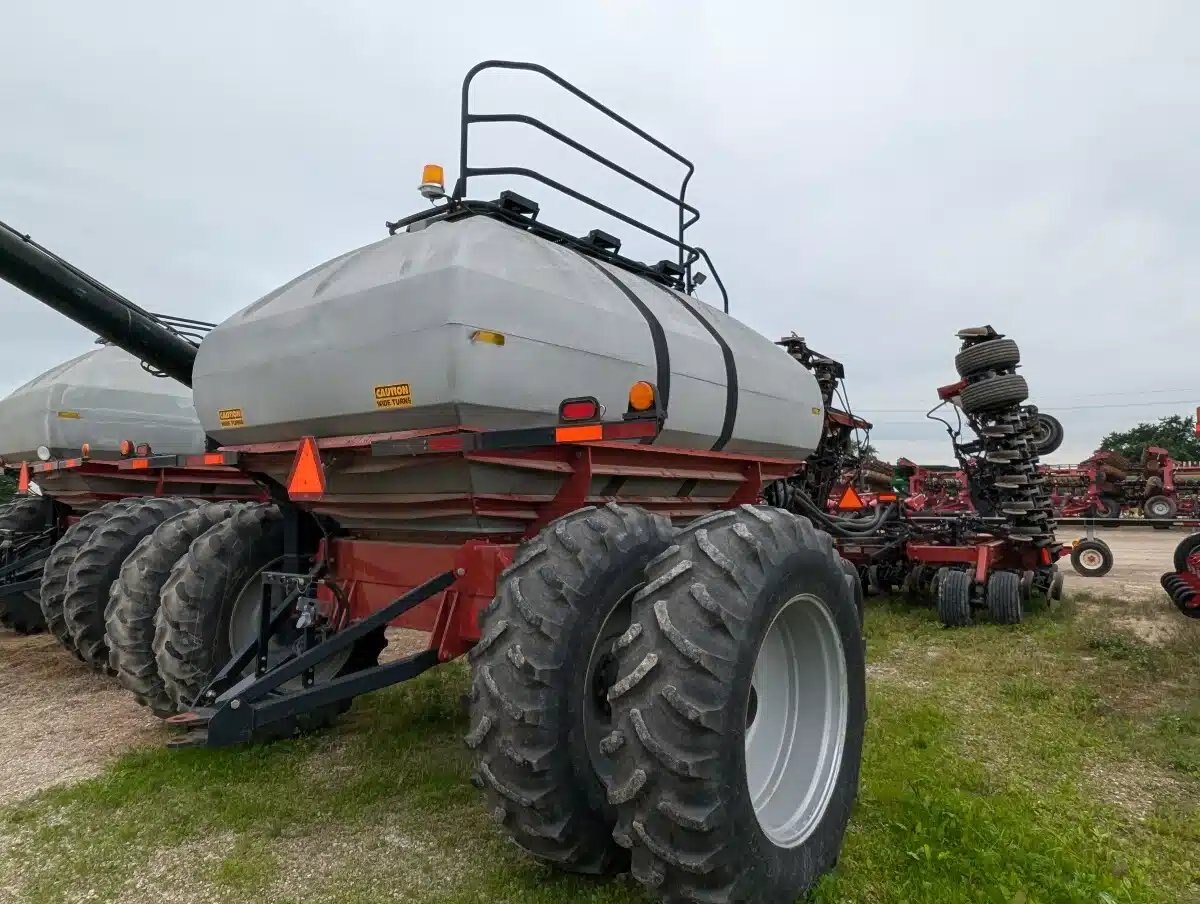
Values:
[(688, 214)]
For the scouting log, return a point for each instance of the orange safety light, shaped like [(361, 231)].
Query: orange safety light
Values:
[(433, 181), (851, 501), (127, 448), (307, 480), (85, 450), (23, 480), (641, 396)]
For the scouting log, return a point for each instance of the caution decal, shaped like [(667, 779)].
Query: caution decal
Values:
[(393, 395), (231, 417)]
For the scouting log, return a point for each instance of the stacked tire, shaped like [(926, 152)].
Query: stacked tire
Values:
[(993, 398), (686, 705)]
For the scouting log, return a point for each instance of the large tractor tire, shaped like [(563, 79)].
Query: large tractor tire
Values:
[(739, 708), (21, 612), (209, 608), (997, 354), (58, 566), (540, 717), (133, 602), (97, 566), (994, 393)]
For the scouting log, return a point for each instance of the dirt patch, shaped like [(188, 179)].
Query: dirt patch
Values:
[(1152, 630), (403, 642), (59, 721), (1136, 788)]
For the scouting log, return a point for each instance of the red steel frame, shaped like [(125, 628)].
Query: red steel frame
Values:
[(365, 575), (137, 477)]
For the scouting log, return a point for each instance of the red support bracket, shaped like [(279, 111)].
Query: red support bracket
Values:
[(572, 494), (750, 489)]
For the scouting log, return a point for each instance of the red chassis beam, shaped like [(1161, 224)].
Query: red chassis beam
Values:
[(81, 483)]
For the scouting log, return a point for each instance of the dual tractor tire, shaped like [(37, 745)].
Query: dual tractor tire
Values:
[(58, 567), (198, 603), (738, 631), (132, 612), (97, 565)]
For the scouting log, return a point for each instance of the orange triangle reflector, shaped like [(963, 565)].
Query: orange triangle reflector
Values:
[(23, 480), (307, 480), (851, 501)]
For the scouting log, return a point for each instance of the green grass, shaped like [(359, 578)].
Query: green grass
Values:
[(1055, 762)]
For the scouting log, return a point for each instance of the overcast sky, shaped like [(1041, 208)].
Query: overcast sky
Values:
[(872, 175)]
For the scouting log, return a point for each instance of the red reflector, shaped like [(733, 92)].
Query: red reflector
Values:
[(886, 497), (23, 480), (445, 443), (579, 410), (1045, 555), (579, 434), (851, 501), (142, 449), (307, 480), (73, 462), (630, 429)]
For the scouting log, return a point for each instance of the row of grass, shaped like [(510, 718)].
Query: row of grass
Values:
[(1057, 761)]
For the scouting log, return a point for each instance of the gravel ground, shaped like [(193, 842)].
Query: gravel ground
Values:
[(61, 723), (1140, 556)]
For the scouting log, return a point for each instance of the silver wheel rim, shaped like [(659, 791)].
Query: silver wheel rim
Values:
[(797, 724), (243, 628), (1091, 559), (1160, 510)]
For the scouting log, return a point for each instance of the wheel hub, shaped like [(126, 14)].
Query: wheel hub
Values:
[(1091, 559), (797, 715), (287, 641)]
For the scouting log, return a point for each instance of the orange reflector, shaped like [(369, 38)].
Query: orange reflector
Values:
[(851, 501), (886, 497), (214, 458), (23, 480), (307, 480), (139, 464), (579, 434), (641, 396)]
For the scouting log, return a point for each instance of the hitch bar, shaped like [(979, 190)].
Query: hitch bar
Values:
[(241, 712)]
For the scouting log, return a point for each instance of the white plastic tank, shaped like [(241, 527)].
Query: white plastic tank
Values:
[(386, 338), (101, 398)]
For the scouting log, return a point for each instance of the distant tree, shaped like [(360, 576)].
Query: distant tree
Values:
[(862, 449), (1176, 434)]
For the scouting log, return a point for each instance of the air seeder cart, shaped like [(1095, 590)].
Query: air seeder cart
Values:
[(552, 457)]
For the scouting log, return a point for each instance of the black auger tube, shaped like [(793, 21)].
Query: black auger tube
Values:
[(68, 290)]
